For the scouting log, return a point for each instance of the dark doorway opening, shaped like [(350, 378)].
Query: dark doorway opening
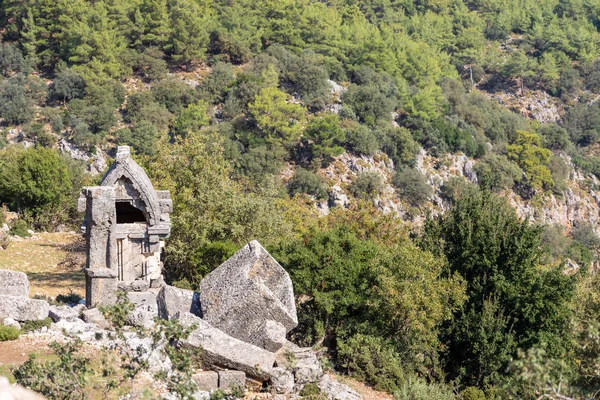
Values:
[(128, 214)]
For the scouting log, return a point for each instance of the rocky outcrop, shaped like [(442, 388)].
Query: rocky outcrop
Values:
[(247, 291)]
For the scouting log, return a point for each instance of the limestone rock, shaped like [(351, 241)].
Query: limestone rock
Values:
[(134, 286), (94, 316), (206, 380), (16, 392), (172, 300), (337, 391), (157, 360), (11, 322), (143, 316), (270, 336), (23, 309), (58, 313), (302, 361), (282, 380), (13, 283), (230, 380), (222, 350), (142, 298), (245, 292)]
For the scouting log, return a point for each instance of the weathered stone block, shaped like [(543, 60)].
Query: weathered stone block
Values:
[(23, 309), (230, 380), (58, 313), (247, 290), (143, 299), (13, 283), (270, 336), (282, 380), (11, 322), (100, 287), (222, 350), (206, 380), (134, 286), (94, 316), (172, 300)]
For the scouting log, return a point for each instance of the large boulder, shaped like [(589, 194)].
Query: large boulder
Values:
[(222, 350), (337, 391), (23, 309), (245, 292), (14, 283), (172, 300)]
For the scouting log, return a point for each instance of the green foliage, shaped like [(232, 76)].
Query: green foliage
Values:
[(16, 107), (32, 326), (142, 137), (369, 104), (308, 182), (418, 389), (67, 85), (412, 186), (325, 136), (361, 140), (367, 185), (215, 87), (192, 118), (496, 172), (8, 333), (279, 120), (513, 302), (173, 93), (19, 228), (38, 181), (372, 360), (526, 150)]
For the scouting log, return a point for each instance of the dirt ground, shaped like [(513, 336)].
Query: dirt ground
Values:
[(53, 262)]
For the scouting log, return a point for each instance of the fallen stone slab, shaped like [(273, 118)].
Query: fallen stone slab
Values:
[(13, 283), (207, 381), (57, 313), (245, 292), (221, 350), (95, 316), (172, 300), (232, 380), (337, 391), (23, 309)]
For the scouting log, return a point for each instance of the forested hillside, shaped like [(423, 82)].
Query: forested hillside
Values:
[(330, 131)]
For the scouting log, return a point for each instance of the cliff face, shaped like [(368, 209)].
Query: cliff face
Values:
[(578, 203)]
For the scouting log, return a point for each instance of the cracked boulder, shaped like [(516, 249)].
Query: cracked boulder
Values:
[(250, 297)]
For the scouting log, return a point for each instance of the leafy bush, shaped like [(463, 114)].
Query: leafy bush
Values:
[(8, 333), (67, 85), (30, 326), (142, 137), (361, 140), (418, 389), (412, 186), (308, 182), (366, 185), (174, 94), (19, 228), (496, 172), (369, 104), (372, 360)]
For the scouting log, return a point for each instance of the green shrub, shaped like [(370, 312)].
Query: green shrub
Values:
[(19, 228), (472, 393), (30, 326), (308, 182), (8, 333), (418, 389), (412, 186), (361, 140), (367, 185), (372, 360)]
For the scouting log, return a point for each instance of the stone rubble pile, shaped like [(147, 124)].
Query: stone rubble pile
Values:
[(241, 314)]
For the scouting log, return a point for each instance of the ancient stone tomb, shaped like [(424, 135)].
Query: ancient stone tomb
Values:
[(126, 220)]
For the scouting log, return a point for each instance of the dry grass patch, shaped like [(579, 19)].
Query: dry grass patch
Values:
[(53, 262)]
